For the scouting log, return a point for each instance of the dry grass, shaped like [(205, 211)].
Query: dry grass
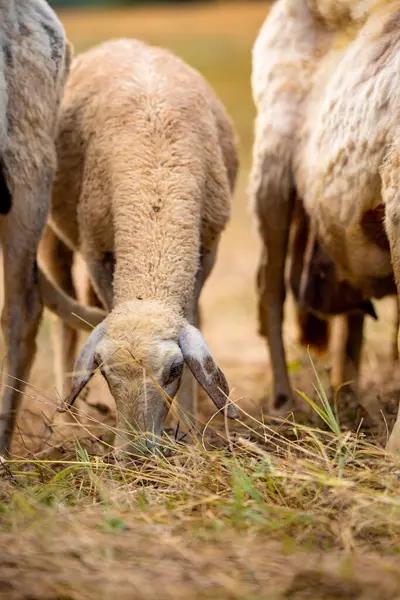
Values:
[(260, 517), (269, 510)]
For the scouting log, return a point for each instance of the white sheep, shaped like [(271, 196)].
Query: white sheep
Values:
[(147, 167), (34, 62), (326, 85)]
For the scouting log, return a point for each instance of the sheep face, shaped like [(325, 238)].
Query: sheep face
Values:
[(143, 372), (141, 348)]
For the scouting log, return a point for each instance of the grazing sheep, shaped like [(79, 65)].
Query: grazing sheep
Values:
[(34, 61), (327, 117), (147, 167)]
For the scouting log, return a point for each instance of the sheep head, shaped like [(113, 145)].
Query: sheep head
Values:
[(141, 349)]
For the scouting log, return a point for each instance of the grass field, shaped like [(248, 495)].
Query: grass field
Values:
[(265, 511)]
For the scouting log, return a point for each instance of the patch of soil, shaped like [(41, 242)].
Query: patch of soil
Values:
[(77, 559)]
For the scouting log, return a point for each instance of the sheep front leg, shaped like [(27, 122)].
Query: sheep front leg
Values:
[(20, 232), (188, 391), (273, 198), (346, 359)]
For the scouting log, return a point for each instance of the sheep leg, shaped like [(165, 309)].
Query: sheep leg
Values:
[(346, 355), (90, 296), (58, 259), (188, 392), (20, 234), (273, 199)]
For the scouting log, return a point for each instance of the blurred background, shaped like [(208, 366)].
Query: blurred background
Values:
[(58, 3)]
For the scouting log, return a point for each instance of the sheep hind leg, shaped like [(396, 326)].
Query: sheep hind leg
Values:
[(271, 290), (21, 231), (346, 359), (58, 262), (346, 355)]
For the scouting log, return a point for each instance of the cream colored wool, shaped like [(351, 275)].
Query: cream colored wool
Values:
[(147, 166)]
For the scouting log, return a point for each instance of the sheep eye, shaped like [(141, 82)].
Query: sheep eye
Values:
[(175, 372)]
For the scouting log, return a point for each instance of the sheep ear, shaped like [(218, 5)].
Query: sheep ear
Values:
[(85, 365), (199, 360)]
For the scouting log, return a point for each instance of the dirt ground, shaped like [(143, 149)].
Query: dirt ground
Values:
[(57, 552), (174, 568)]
